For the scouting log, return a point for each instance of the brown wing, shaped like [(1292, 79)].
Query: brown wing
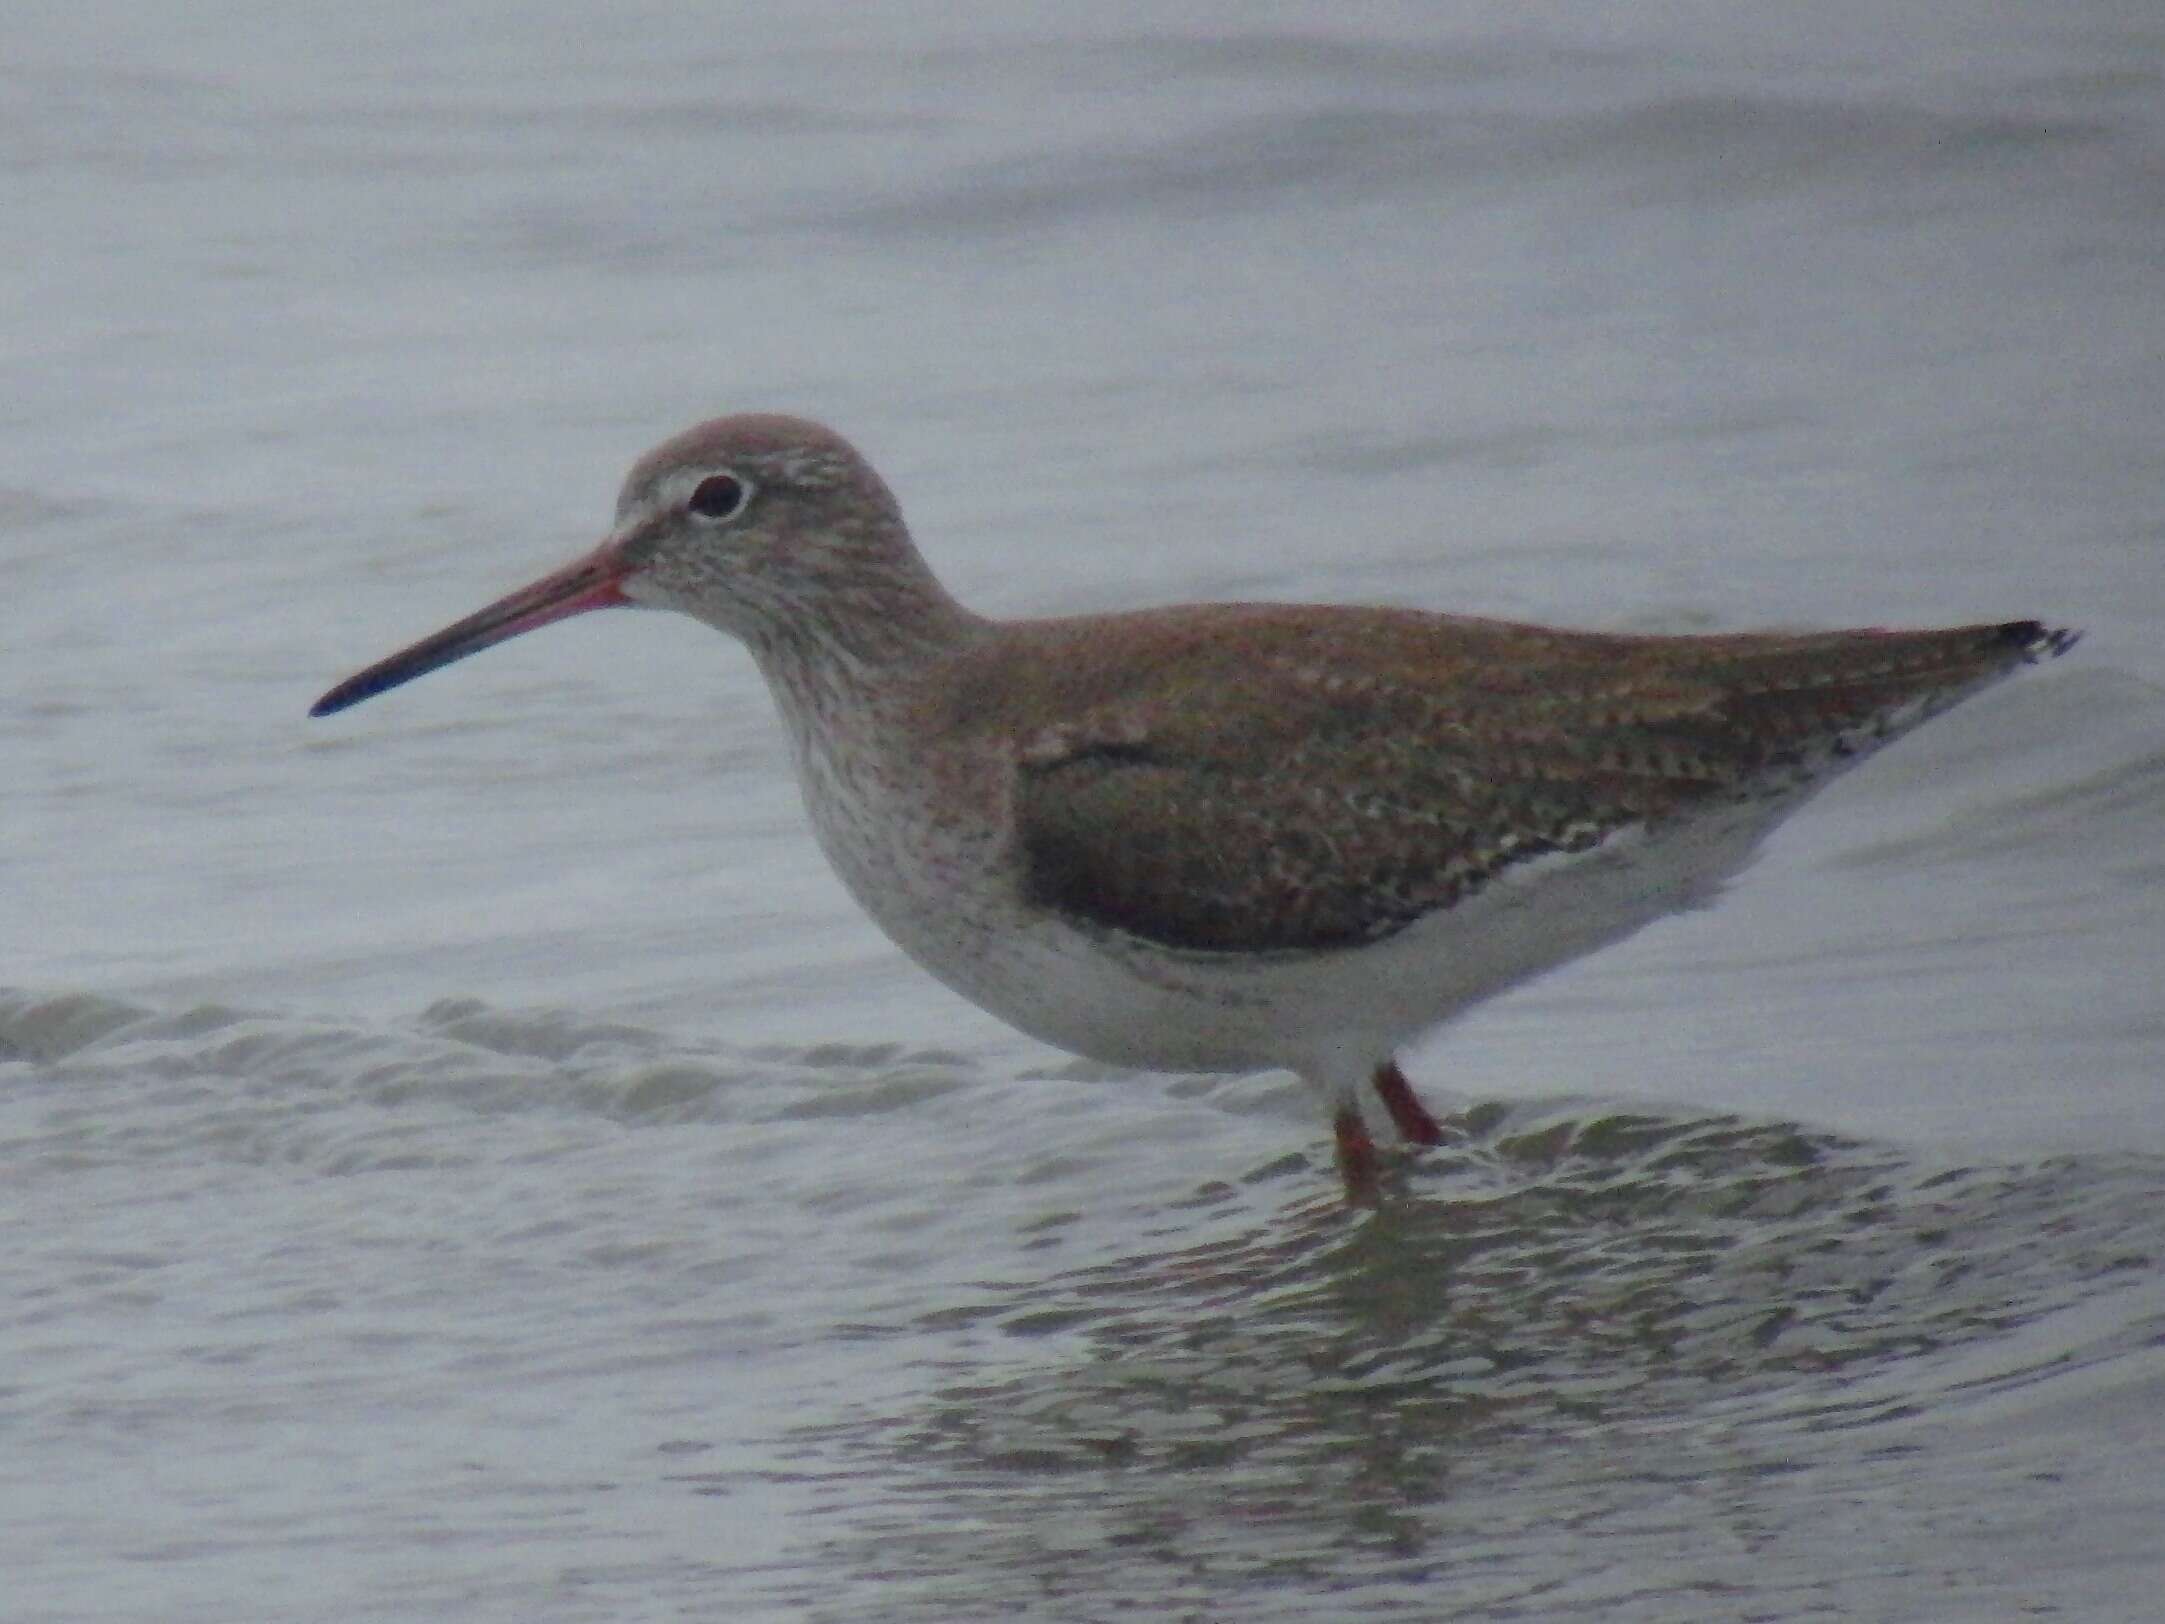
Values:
[(1330, 776)]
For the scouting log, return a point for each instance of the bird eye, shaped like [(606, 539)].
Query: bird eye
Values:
[(719, 496)]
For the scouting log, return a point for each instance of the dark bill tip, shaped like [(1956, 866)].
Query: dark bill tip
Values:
[(350, 692)]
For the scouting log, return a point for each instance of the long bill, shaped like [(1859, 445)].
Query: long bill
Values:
[(593, 582)]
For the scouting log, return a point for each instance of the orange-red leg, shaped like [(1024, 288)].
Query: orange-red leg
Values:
[(1358, 1163), (1407, 1112)]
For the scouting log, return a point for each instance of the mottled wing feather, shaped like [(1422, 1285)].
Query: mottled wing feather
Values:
[(1330, 804)]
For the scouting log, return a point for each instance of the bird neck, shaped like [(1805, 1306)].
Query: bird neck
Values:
[(864, 641)]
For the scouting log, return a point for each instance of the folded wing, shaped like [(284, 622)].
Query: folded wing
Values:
[(1343, 772)]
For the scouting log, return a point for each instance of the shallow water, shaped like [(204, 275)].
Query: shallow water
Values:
[(468, 1159)]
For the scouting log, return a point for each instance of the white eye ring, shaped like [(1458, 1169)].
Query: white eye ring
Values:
[(719, 496)]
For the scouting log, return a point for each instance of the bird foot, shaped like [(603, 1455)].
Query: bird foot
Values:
[(1408, 1114), (1358, 1163)]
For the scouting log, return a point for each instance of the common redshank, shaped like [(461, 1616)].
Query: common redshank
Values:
[(1238, 836)]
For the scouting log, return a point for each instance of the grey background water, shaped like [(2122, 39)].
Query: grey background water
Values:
[(468, 1159)]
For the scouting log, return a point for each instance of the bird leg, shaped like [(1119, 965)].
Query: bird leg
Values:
[(1358, 1163), (1407, 1112)]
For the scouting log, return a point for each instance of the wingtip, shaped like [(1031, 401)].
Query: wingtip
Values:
[(2038, 641)]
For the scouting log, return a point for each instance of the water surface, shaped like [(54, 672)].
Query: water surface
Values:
[(468, 1159)]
